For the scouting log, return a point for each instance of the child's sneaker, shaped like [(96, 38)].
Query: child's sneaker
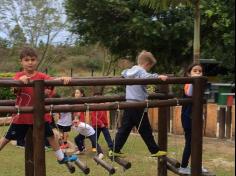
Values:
[(159, 153), (100, 156), (94, 150), (67, 159), (185, 170), (114, 154), (204, 170)]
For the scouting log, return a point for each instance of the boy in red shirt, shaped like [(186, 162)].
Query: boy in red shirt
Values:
[(25, 97), (100, 124)]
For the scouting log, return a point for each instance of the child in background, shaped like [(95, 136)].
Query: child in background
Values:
[(84, 131), (138, 116), (81, 116), (192, 71), (64, 124), (100, 124), (22, 122)]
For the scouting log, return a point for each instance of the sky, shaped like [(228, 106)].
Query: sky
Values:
[(60, 38)]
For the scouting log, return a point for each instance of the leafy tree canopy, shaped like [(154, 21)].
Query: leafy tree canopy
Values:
[(125, 28)]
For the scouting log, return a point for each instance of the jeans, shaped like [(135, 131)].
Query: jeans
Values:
[(132, 117), (79, 140), (187, 147), (106, 135)]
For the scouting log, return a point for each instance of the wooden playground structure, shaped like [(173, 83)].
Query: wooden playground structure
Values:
[(34, 149)]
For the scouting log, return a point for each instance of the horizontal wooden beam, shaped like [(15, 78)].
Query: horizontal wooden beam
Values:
[(101, 82), (97, 107), (94, 99)]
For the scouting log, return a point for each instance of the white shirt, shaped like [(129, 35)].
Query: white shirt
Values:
[(84, 129), (65, 119)]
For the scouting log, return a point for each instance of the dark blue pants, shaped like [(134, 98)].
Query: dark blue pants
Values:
[(187, 147), (79, 140), (132, 118), (106, 135)]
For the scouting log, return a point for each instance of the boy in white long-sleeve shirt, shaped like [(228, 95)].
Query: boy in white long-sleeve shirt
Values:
[(85, 130)]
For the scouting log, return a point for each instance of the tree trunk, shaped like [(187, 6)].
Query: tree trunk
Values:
[(196, 45)]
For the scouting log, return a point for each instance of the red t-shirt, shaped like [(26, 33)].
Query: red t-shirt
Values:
[(102, 120), (25, 97)]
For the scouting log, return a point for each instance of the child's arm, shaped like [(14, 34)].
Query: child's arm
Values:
[(188, 89)]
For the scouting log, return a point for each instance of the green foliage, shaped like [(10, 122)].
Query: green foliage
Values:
[(126, 28), (5, 92), (218, 33), (4, 43), (18, 37)]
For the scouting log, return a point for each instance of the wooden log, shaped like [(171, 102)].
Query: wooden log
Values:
[(82, 167), (125, 164), (29, 153), (105, 165), (228, 121), (172, 161), (39, 129), (222, 122), (70, 167), (197, 126)]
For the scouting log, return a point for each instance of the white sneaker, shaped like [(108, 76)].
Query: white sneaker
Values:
[(185, 170), (100, 156), (204, 170)]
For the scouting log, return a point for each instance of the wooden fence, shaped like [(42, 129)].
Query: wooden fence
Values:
[(35, 141)]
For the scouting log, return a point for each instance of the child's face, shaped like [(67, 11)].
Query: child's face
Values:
[(147, 66), (196, 71), (29, 64), (78, 93)]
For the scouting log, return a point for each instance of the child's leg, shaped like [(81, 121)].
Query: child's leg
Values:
[(15, 131), (3, 142), (53, 141), (98, 131), (107, 137), (145, 131), (79, 141), (93, 142), (187, 148), (124, 131)]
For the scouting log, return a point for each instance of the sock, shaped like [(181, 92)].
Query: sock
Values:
[(59, 154)]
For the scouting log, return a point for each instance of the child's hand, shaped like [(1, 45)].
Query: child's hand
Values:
[(25, 79), (163, 77), (66, 80)]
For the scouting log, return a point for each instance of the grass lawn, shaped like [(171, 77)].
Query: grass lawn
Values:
[(218, 157)]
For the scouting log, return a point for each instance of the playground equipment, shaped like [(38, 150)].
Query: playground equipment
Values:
[(36, 153)]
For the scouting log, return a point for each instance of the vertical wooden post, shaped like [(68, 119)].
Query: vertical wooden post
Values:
[(29, 154), (39, 129), (163, 114), (222, 122), (197, 125), (228, 121)]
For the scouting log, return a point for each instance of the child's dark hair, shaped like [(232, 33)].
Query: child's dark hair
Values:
[(190, 67), (27, 51), (81, 91)]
